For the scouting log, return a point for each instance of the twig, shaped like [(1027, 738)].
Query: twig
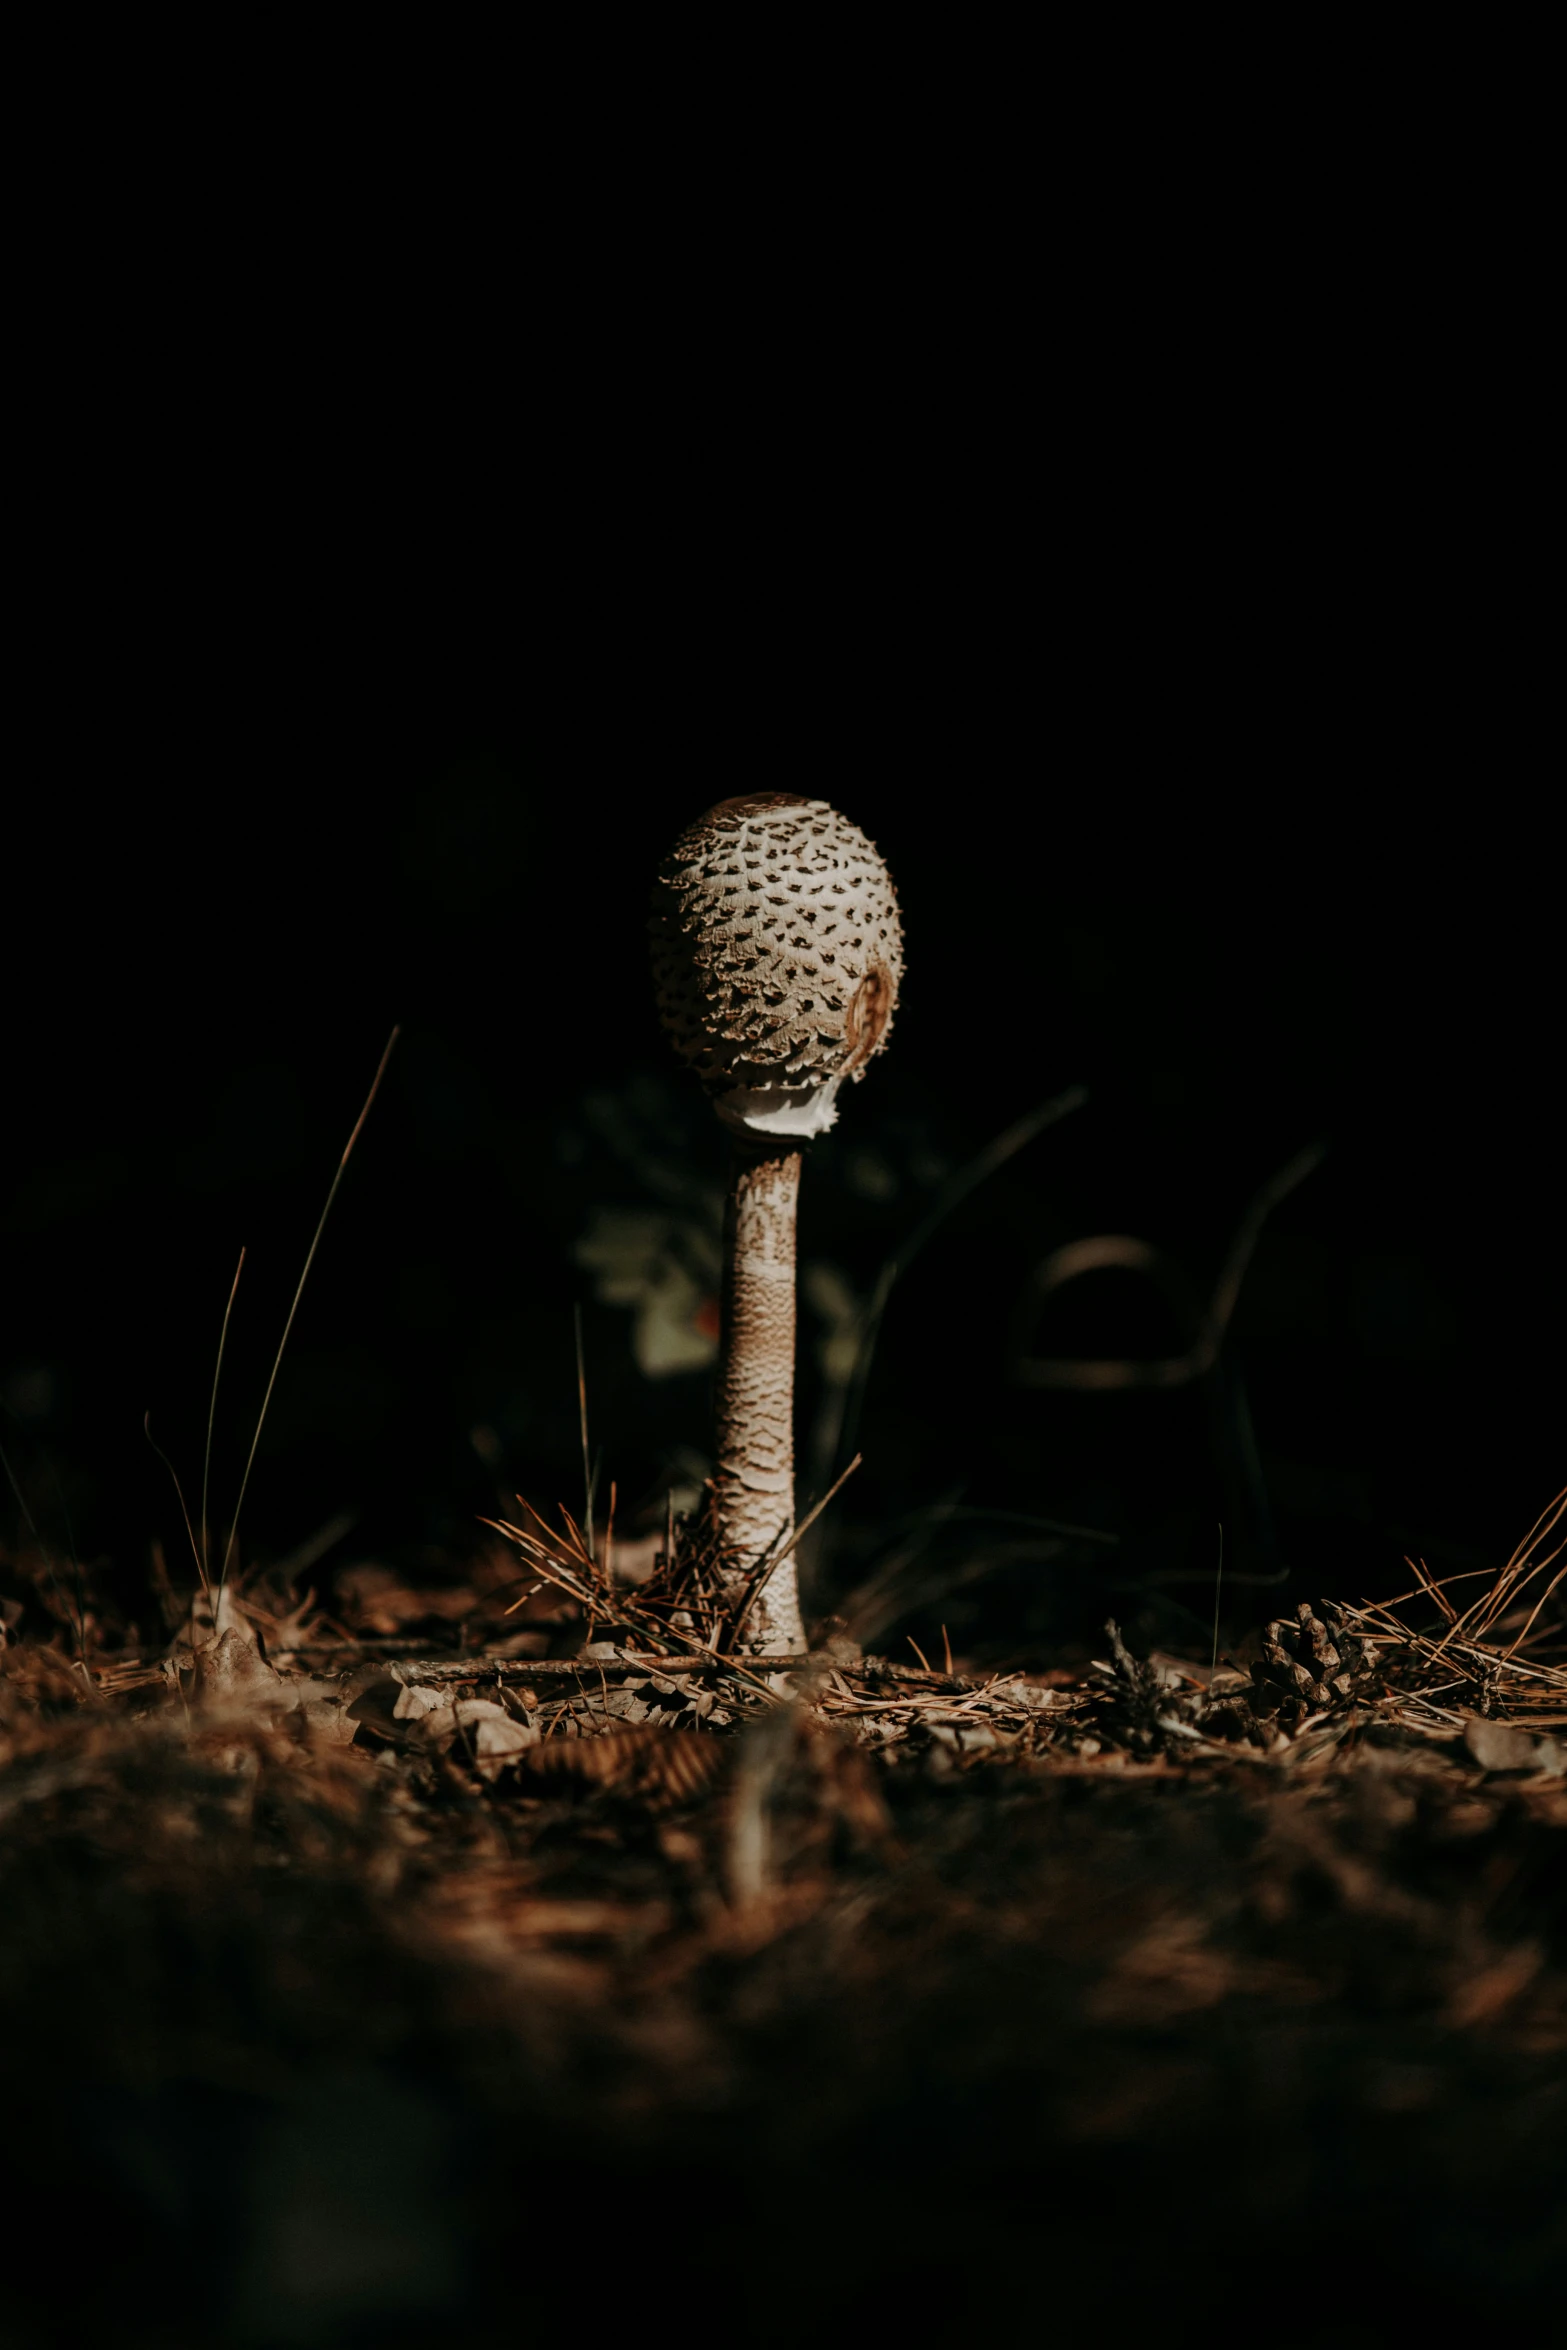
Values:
[(732, 1665)]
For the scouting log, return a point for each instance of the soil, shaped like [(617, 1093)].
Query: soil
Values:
[(321, 2027)]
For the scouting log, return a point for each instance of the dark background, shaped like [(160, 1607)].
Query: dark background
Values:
[(1252, 890), (1150, 568), (1143, 545)]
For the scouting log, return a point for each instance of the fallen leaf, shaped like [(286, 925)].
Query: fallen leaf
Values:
[(416, 1701), (964, 1738), (328, 1721), (1496, 1746), (497, 1739)]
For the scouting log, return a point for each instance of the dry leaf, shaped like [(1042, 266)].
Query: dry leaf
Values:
[(1496, 1747), (325, 1719), (415, 1702), (497, 1739), (232, 1673)]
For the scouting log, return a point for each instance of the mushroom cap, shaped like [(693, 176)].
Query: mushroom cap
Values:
[(777, 953)]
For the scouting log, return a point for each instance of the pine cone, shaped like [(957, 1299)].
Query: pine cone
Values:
[(1144, 1706), (1311, 1665), (777, 953)]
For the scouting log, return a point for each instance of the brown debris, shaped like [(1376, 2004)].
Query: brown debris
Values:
[(1193, 1927)]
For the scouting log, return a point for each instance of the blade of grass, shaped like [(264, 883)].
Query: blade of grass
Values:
[(190, 1531), (582, 1415), (951, 1195), (48, 1554), (76, 1568), (375, 1087), (212, 1413)]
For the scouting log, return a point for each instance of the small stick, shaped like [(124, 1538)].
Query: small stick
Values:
[(1218, 1584), (728, 1664)]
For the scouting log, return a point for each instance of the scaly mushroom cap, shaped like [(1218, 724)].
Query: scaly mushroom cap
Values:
[(777, 953)]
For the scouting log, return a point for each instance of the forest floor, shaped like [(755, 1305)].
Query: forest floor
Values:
[(350, 1993)]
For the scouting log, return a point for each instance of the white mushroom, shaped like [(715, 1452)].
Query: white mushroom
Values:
[(777, 953)]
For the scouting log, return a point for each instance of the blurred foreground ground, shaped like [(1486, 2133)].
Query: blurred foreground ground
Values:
[(322, 2030)]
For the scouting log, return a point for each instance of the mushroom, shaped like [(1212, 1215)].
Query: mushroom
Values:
[(777, 953)]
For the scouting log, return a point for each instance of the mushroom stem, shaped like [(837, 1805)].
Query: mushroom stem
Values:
[(777, 952), (753, 1483)]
